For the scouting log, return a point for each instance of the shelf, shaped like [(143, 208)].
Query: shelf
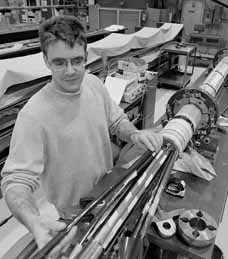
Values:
[(179, 48), (18, 28), (31, 7), (175, 78)]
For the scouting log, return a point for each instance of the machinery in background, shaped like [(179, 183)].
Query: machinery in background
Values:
[(205, 24), (210, 97), (134, 70), (127, 13), (82, 11), (208, 45), (140, 92), (21, 22), (138, 99), (174, 60), (205, 21)]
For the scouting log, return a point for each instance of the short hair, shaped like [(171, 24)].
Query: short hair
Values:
[(66, 28)]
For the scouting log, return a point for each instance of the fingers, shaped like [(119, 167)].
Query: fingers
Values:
[(56, 226), (147, 143), (43, 240), (156, 141), (148, 139), (55, 253), (46, 228)]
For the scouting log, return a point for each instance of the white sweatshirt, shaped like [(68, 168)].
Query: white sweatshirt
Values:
[(62, 140)]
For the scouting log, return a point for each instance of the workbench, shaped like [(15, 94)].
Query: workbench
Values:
[(200, 194)]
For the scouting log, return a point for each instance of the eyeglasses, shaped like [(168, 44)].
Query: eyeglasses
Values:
[(62, 63)]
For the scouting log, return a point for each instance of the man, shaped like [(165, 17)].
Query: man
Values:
[(61, 136)]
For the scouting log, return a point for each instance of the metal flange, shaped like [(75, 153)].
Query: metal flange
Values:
[(201, 100), (197, 228)]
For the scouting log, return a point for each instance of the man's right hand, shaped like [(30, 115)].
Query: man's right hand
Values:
[(46, 228), (21, 202)]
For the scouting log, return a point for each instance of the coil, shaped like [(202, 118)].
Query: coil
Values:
[(180, 129), (214, 81)]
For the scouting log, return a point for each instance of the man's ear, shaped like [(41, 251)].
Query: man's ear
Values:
[(46, 61)]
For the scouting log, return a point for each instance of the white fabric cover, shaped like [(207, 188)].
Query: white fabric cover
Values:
[(23, 69)]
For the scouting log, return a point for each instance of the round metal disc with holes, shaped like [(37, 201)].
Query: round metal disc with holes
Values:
[(197, 228)]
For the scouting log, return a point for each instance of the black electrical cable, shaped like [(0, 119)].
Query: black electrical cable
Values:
[(3, 222), (220, 3)]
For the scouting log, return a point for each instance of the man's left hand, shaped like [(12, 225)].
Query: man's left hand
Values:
[(147, 139)]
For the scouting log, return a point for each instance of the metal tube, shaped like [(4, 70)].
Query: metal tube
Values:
[(140, 164), (116, 219), (167, 170), (150, 207), (105, 236), (53, 242)]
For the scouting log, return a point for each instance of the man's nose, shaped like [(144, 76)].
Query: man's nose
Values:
[(70, 69)]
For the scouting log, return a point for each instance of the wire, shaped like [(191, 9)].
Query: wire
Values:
[(3, 222), (224, 112), (220, 3)]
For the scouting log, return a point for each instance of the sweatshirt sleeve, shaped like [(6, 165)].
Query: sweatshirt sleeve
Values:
[(25, 161), (118, 121)]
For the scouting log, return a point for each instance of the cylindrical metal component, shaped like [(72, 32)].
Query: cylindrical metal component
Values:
[(128, 203), (178, 132), (167, 170), (136, 170), (94, 252), (216, 78), (105, 235), (194, 108), (222, 67), (77, 249), (180, 129), (151, 206), (212, 83), (191, 113)]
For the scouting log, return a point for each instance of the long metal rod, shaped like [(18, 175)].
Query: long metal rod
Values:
[(28, 250), (101, 218), (107, 210), (53, 242), (112, 203), (137, 215), (88, 235), (136, 239), (156, 200), (102, 239)]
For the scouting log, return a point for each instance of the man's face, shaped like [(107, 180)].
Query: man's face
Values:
[(67, 65)]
